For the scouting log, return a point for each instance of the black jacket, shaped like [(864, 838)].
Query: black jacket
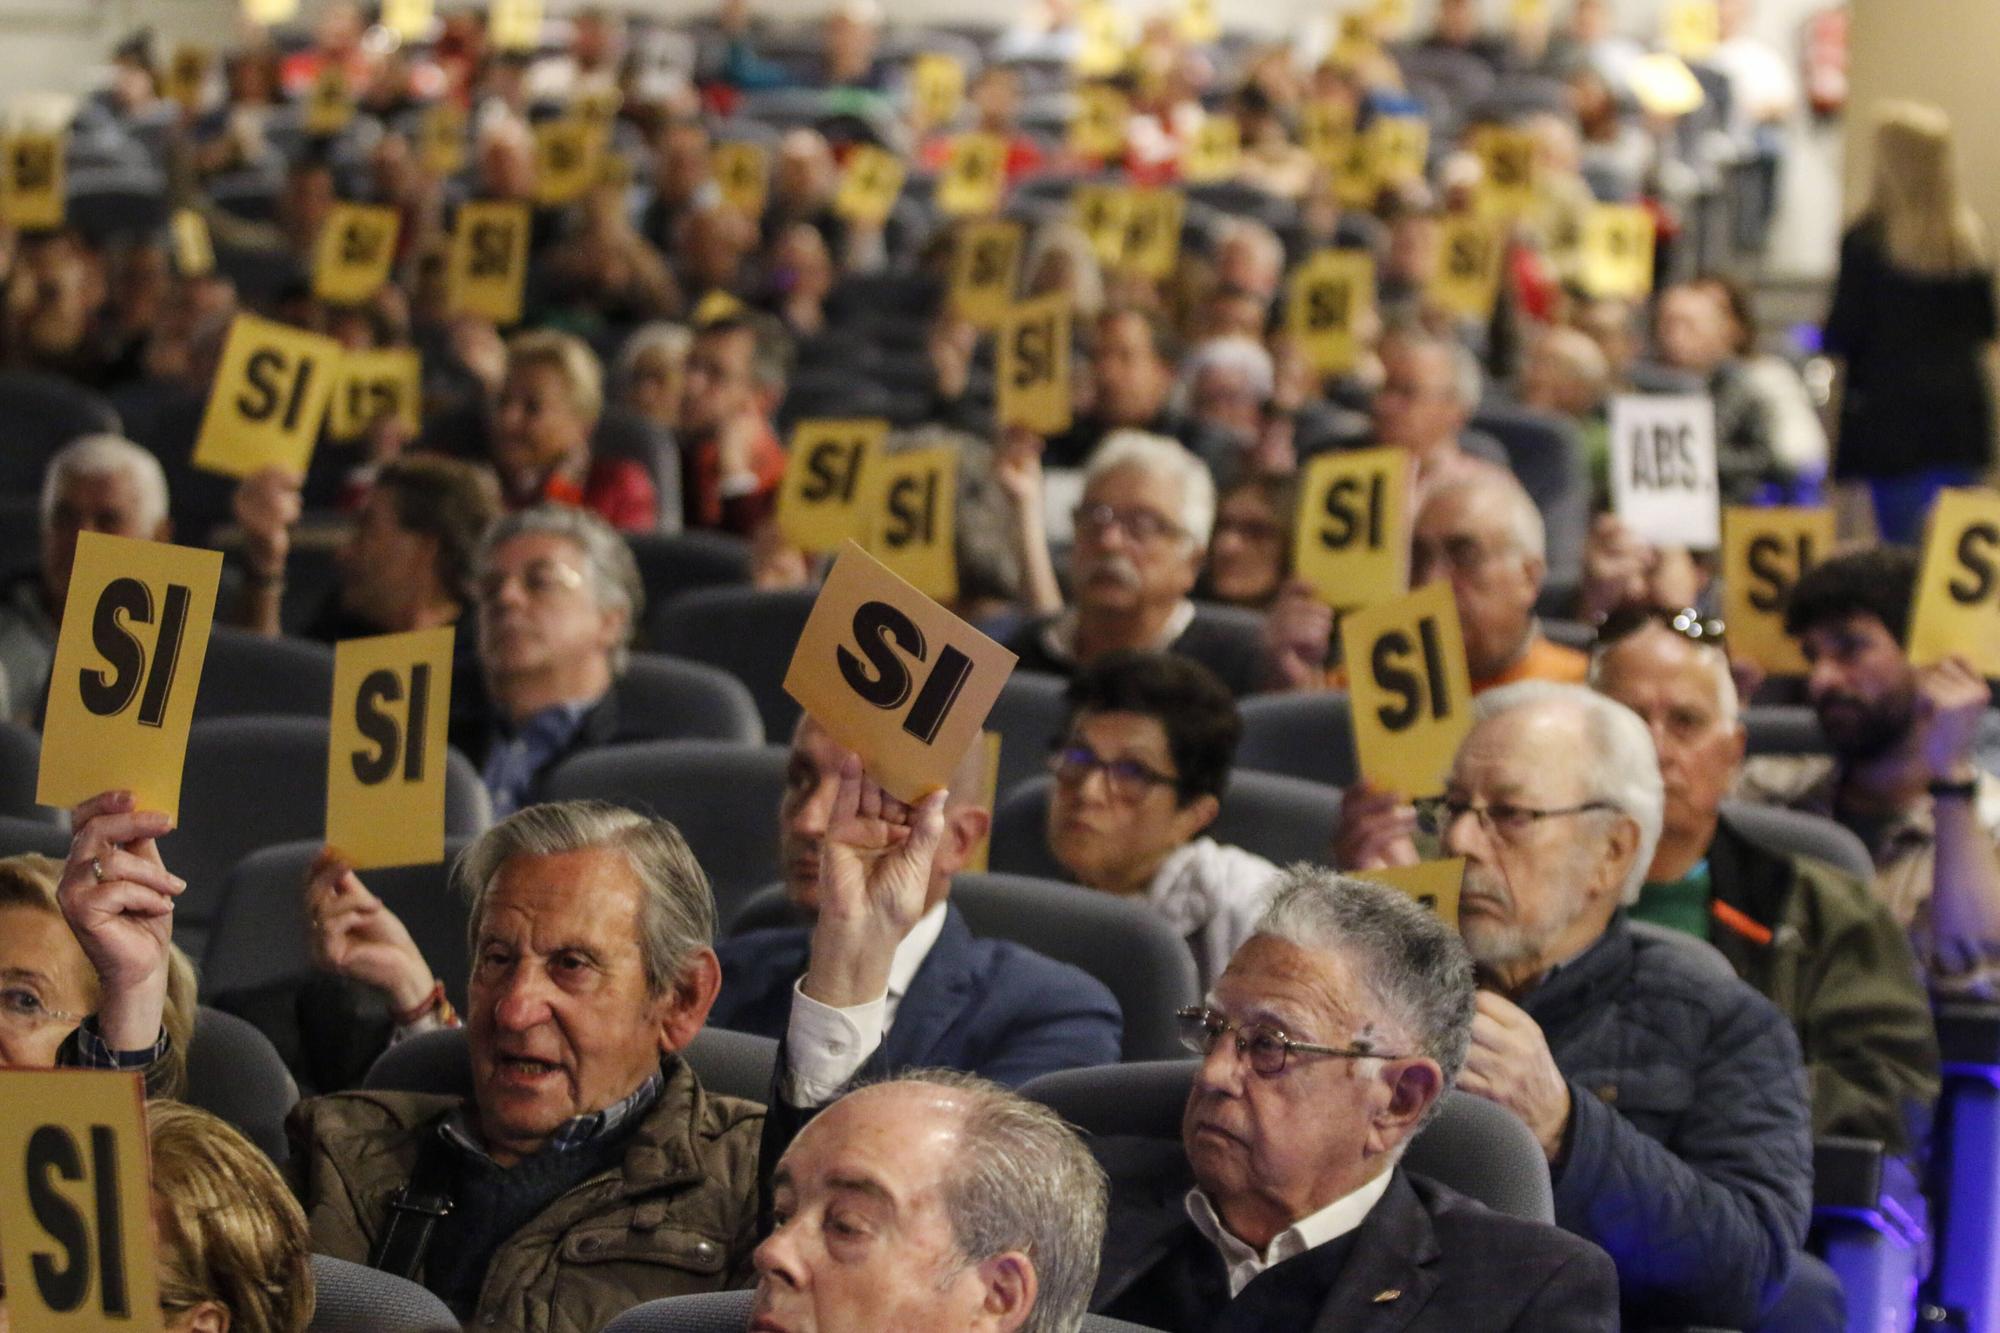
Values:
[(1424, 1258), (1688, 1154)]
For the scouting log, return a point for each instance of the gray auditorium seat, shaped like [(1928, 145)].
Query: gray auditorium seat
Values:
[(1797, 833), (20, 769), (354, 1298), (748, 632), (723, 798), (1308, 736), (1028, 715), (235, 1074), (253, 675), (661, 698)]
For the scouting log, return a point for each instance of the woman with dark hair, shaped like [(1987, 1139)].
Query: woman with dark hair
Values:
[(1250, 551)]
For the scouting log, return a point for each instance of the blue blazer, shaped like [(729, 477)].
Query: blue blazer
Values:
[(988, 1007)]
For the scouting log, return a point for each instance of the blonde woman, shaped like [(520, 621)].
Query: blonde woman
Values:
[(1912, 315), (235, 1256)]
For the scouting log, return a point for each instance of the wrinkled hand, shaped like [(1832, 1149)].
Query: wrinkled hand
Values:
[(267, 505), (1376, 828), (1616, 567), (1951, 700), (1509, 1064), (875, 875), (1274, 453), (350, 933), (1298, 630), (950, 346), (775, 562), (118, 898), (1018, 468)]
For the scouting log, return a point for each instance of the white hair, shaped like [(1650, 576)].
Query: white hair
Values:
[(108, 456), (1234, 352), (1162, 457), (1713, 659), (1524, 520), (1618, 765), (661, 336), (1264, 242)]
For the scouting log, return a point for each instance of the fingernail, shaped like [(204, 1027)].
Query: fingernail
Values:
[(179, 883)]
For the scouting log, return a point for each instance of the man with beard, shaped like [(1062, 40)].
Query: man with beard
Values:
[(1901, 774), (1148, 505), (1669, 1096)]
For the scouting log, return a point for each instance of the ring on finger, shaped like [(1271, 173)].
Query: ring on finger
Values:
[(97, 868)]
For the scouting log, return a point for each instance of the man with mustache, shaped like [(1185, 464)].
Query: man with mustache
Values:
[(1148, 505), (1901, 774), (1669, 1096)]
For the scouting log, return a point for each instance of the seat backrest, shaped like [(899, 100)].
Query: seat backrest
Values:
[(251, 782), (354, 1298), (252, 675), (1800, 833), (20, 769), (1125, 945), (1028, 715), (748, 632), (43, 413), (723, 798), (733, 1064), (1308, 736), (1470, 1145), (259, 937), (1545, 453), (1280, 818), (674, 563), (663, 698), (1783, 729), (234, 1073)]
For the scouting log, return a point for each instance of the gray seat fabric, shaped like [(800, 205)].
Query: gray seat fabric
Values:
[(251, 782), (250, 675), (1132, 950), (1279, 818), (733, 1064), (20, 771), (32, 835), (1545, 454), (1308, 736), (674, 563), (259, 938), (663, 698), (1783, 729), (748, 632), (235, 1074), (729, 1312), (43, 413), (1028, 715), (1797, 833), (353, 1298), (723, 798), (1470, 1145)]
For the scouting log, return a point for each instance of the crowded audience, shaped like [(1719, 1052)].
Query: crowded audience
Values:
[(628, 257)]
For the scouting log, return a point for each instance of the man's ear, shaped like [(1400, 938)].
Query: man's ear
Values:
[(1009, 1280), (965, 827), (208, 1317), (617, 627), (1413, 1085), (1196, 815), (1624, 845), (684, 1007)]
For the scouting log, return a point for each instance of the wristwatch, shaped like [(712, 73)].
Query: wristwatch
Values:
[(1961, 791)]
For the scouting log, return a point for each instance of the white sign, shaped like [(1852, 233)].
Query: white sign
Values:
[(1663, 482)]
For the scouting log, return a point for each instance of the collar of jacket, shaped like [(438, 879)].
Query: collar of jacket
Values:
[(1752, 884), (1571, 986)]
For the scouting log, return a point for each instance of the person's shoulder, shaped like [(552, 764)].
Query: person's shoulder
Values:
[(1018, 970), (1691, 975), (353, 1117), (1465, 1225)]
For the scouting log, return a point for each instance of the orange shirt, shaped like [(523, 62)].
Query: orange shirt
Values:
[(1544, 660)]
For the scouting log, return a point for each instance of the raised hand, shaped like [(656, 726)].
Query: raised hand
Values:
[(875, 875), (352, 934), (1951, 700), (1376, 828), (118, 898)]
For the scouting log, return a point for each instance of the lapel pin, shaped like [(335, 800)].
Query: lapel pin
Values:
[(1387, 1294)]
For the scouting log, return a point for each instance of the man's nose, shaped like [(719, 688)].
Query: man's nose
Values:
[(814, 813), (522, 1001)]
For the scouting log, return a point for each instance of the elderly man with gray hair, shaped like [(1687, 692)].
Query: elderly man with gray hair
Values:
[(588, 1170), (936, 1200), (1670, 1097), (98, 483), (1141, 530), (1326, 1045)]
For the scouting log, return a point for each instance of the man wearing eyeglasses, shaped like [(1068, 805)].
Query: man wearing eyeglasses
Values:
[(1669, 1096), (1141, 529), (1139, 774), (1326, 1045)]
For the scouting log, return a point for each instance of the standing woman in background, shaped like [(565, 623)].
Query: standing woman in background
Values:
[(1912, 315)]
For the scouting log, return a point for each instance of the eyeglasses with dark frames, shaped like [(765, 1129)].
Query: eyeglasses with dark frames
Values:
[(1127, 779), (1436, 815), (1267, 1048)]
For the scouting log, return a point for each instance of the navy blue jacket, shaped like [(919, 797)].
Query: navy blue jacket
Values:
[(988, 1007)]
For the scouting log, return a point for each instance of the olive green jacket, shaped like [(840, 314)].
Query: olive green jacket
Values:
[(678, 1215), (1818, 944)]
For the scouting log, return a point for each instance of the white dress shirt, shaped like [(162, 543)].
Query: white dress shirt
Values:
[(825, 1046), (1329, 1223)]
